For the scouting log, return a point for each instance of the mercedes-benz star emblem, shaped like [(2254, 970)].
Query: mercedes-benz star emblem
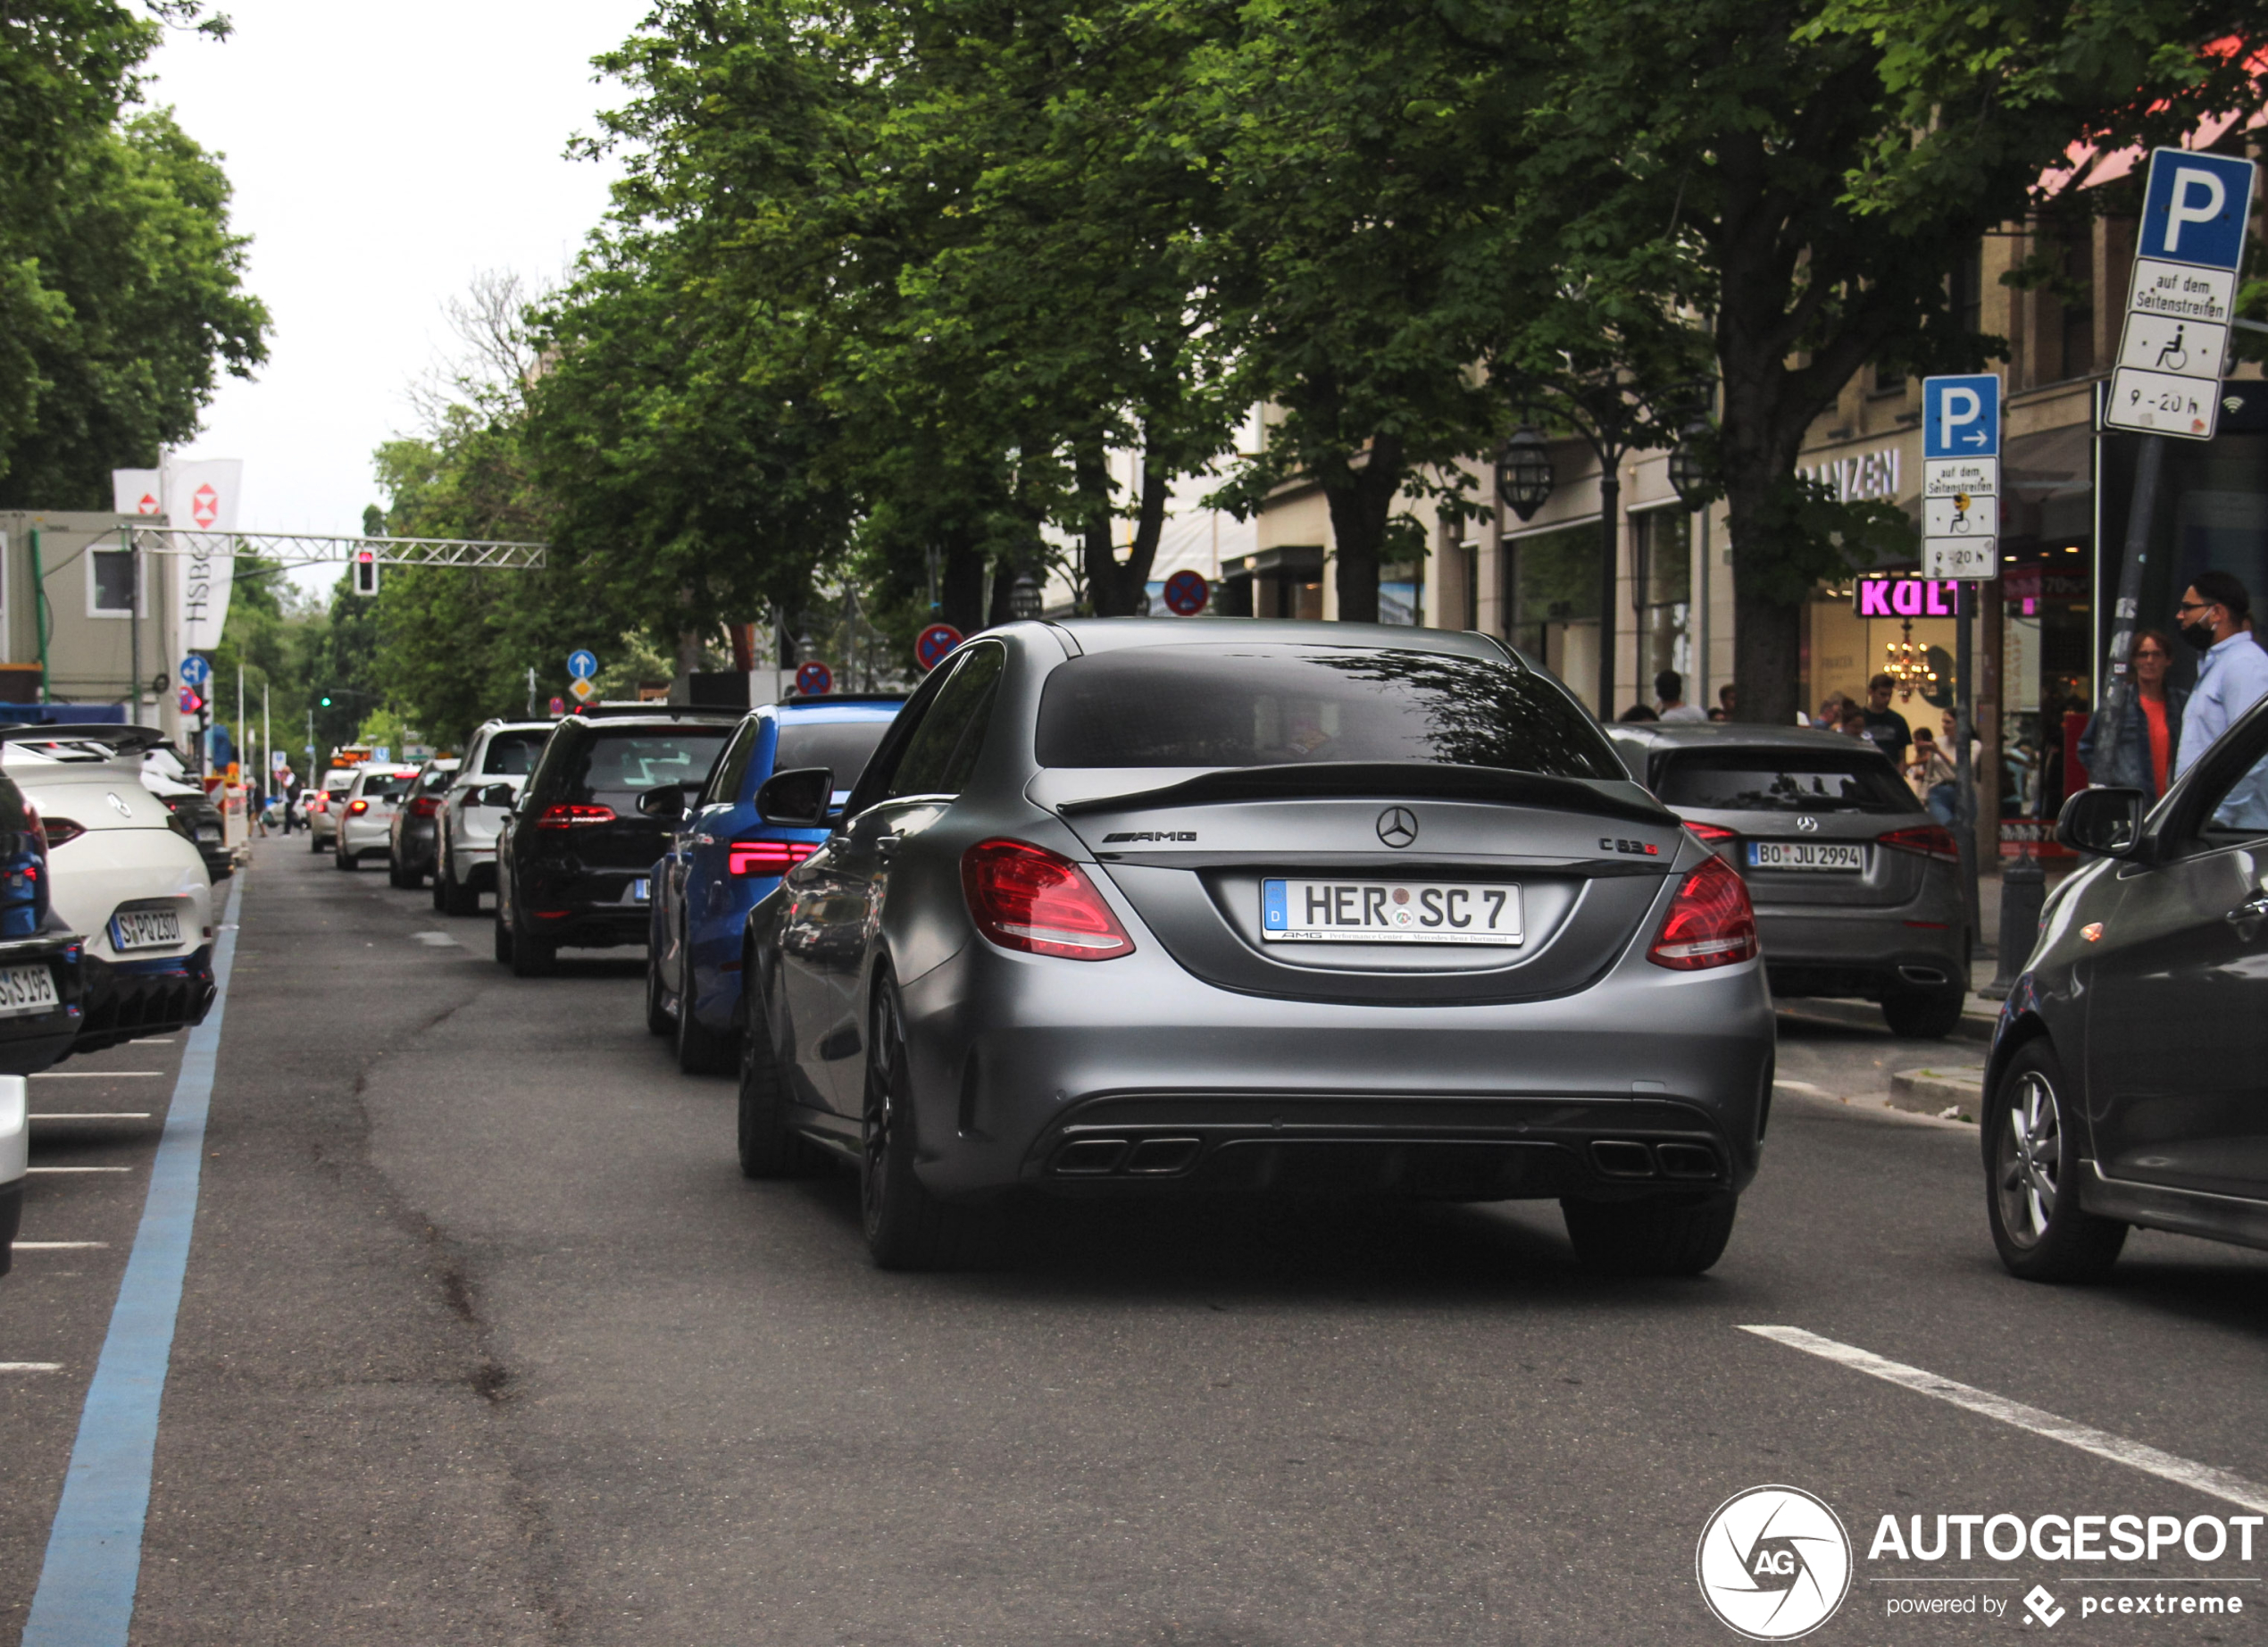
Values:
[(1397, 826), (1807, 825)]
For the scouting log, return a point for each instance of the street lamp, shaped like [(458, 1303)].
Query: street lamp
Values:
[(1690, 476), (1023, 596), (1523, 472)]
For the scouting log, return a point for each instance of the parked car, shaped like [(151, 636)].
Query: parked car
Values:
[(366, 812), (723, 858), (168, 777), (575, 858), (502, 755), (124, 875), (2123, 1087), (325, 806), (416, 828), (1858, 889), (1122, 907)]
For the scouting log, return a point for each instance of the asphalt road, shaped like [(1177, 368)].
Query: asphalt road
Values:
[(484, 1339)]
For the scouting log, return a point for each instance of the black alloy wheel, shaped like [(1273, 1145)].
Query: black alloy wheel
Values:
[(531, 957), (1666, 1235), (907, 1227), (2032, 1166)]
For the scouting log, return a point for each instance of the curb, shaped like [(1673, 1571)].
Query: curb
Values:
[(1976, 1026), (1933, 1089)]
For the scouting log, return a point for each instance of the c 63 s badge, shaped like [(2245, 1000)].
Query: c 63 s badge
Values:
[(1773, 1563)]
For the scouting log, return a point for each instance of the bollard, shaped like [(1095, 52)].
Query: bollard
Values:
[(2023, 889)]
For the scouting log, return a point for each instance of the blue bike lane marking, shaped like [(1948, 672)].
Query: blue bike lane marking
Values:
[(94, 1561)]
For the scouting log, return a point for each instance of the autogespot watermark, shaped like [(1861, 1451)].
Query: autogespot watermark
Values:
[(1774, 1563)]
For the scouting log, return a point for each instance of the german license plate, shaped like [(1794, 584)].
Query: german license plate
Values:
[(145, 929), (27, 989), (1806, 855), (1390, 912), (641, 890)]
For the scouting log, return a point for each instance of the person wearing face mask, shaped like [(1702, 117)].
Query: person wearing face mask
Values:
[(2152, 733), (2234, 674)]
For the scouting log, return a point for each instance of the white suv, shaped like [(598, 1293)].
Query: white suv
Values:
[(502, 755)]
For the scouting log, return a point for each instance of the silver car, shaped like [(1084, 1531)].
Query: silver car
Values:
[(1132, 908), (1857, 888)]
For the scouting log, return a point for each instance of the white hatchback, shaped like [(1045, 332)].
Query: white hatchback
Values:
[(125, 873)]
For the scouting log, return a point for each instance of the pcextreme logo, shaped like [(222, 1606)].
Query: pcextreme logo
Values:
[(1773, 1563)]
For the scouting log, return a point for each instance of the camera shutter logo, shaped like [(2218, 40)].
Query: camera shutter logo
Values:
[(1773, 1563)]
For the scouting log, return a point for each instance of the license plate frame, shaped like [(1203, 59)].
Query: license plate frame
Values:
[(27, 992), (1834, 857), (1428, 912), (128, 936), (642, 889)]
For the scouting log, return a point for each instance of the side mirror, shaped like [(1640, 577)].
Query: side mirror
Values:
[(666, 803), (2102, 823), (491, 795), (799, 798)]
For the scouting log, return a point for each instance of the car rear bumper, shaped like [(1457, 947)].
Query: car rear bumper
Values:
[(1079, 1076), (32, 1043), (125, 999), (1863, 952), (358, 836)]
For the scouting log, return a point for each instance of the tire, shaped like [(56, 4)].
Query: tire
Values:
[(346, 861), (1922, 1014), (454, 898), (2031, 1172), (768, 1149), (394, 876), (532, 958), (440, 895), (1669, 1235), (314, 846), (907, 1227), (700, 1049), (503, 942), (657, 1021)]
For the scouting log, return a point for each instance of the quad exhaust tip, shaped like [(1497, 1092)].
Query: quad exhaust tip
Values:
[(1145, 1158), (1628, 1159)]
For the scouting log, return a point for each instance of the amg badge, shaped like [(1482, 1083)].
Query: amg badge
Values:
[(1124, 835)]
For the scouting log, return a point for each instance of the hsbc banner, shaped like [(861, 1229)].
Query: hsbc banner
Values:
[(199, 498)]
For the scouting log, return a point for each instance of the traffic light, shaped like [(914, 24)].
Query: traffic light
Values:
[(366, 571), (325, 701)]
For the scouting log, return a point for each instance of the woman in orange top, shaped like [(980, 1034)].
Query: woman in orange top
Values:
[(2153, 722)]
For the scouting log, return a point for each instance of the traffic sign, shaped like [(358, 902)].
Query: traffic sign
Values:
[(1960, 476), (559, 706), (1186, 593), (582, 664), (189, 700), (195, 670), (583, 690), (816, 680), (2174, 345), (932, 645)]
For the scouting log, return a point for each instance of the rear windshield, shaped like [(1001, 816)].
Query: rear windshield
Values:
[(612, 765), (339, 783), (1783, 780), (1264, 706), (513, 755), (436, 780), (386, 786), (843, 746)]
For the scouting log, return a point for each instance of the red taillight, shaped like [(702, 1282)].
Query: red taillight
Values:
[(1710, 923), (566, 816), (358, 807), (1026, 898), (766, 858), (425, 805), (1711, 834), (1930, 839), (57, 831)]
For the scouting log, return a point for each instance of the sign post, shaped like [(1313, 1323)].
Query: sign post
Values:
[(1961, 540)]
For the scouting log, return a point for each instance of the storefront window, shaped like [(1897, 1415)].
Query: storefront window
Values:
[(1663, 589), (1551, 592)]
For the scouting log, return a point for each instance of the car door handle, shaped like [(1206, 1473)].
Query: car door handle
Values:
[(2252, 909), (884, 845)]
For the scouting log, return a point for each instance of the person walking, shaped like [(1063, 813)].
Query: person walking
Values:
[(1669, 691), (1931, 775), (2153, 726), (1885, 725), (2234, 674)]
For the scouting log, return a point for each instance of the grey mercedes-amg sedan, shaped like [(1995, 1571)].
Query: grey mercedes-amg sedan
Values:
[(1135, 907)]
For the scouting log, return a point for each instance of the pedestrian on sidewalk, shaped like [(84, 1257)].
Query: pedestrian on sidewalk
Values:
[(1669, 692), (2232, 678), (1885, 724), (2153, 727)]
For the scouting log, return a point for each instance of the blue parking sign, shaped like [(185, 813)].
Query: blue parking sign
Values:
[(1961, 415), (2195, 208)]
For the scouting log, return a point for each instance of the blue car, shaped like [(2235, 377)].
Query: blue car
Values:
[(722, 858)]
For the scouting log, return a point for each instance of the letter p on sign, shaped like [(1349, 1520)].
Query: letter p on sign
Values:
[(2198, 198), (1956, 407)]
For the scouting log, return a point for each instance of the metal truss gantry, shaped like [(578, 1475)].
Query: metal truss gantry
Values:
[(293, 549)]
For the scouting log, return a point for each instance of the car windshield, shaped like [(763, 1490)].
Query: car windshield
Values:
[(842, 747), (1754, 779), (512, 755), (1264, 706), (613, 763), (385, 785)]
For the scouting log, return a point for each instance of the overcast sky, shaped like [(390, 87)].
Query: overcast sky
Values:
[(381, 156)]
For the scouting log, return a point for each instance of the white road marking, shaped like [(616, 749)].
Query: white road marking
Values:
[(57, 1246), (32, 1366), (437, 940), (2183, 1472), (93, 1074), (95, 1115), (79, 1169)]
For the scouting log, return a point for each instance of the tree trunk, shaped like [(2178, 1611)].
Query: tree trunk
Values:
[(1362, 501), (1106, 589), (960, 584)]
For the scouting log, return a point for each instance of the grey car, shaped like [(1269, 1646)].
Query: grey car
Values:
[(1858, 889), (2126, 1078), (415, 829), (1132, 908)]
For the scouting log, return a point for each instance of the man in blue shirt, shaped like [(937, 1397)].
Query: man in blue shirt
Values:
[(2232, 677)]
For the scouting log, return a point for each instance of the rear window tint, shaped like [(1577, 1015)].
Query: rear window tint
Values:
[(628, 762), (1265, 706), (842, 747), (386, 788), (1783, 780), (512, 755)]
